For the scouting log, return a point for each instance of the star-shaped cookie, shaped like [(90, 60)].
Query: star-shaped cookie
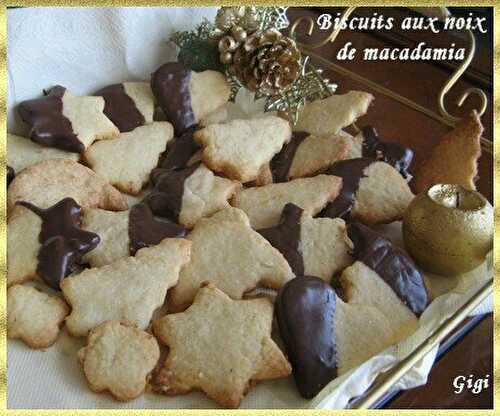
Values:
[(66, 121), (221, 358)]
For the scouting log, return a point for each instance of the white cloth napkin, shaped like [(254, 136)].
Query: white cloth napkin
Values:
[(84, 49)]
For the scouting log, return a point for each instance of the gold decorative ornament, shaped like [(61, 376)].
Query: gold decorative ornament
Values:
[(267, 62), (448, 230)]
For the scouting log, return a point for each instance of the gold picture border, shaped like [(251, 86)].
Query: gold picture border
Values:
[(192, 3)]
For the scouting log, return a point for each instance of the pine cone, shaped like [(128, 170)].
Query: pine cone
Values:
[(267, 62)]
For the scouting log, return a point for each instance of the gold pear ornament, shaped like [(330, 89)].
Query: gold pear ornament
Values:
[(448, 230)]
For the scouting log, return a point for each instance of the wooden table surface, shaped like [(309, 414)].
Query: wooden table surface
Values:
[(421, 82)]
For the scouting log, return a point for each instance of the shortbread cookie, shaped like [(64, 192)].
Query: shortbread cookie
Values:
[(395, 154), (119, 358), (33, 316), (324, 336), (372, 192), (127, 161), (66, 121), (219, 346), (454, 159), (378, 261), (49, 246), (123, 233), (328, 116), (129, 289), (264, 204), (312, 246), (362, 331), (227, 252), (23, 231), (47, 182), (128, 105), (189, 194), (240, 148), (187, 96), (363, 286), (22, 152), (306, 155)]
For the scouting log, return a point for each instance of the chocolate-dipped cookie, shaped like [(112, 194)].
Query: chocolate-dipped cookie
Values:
[(305, 310), (395, 154), (51, 240), (188, 194), (187, 96), (123, 233), (128, 105), (305, 155), (385, 278), (312, 246), (373, 192), (66, 121)]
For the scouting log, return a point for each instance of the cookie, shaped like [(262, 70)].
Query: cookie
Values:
[(362, 331), (119, 358), (264, 204), (129, 289), (23, 245), (46, 243), (328, 116), (187, 96), (454, 159), (378, 258), (33, 316), (123, 233), (127, 161), (189, 194), (312, 246), (66, 121), (22, 152), (228, 253), (305, 155), (395, 154), (240, 148), (128, 105), (305, 312), (372, 192), (324, 336), (47, 182), (223, 361)]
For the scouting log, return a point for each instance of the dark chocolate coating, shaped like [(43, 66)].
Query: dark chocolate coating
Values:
[(11, 174), (170, 85), (392, 264), (120, 108), (180, 150), (144, 230), (165, 200), (305, 310), (396, 155), (49, 126), (285, 237), (63, 242), (351, 172), (282, 162)]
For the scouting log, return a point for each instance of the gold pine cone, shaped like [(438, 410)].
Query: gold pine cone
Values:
[(267, 62)]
